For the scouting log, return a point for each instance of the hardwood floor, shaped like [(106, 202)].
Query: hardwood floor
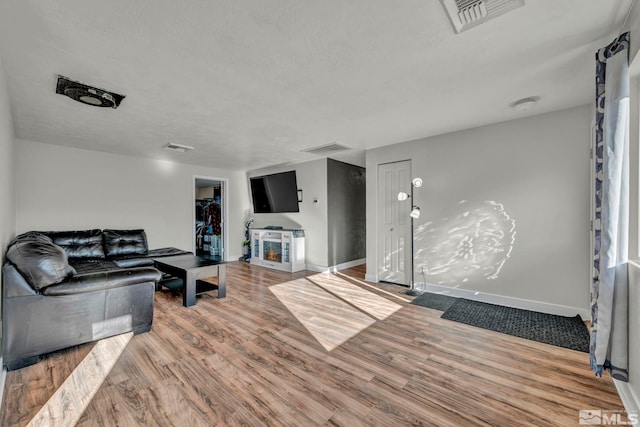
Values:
[(306, 349)]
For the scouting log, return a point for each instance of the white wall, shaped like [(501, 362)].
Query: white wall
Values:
[(537, 168), (312, 180), (630, 392), (7, 189), (62, 188)]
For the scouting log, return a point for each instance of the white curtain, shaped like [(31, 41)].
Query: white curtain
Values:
[(609, 294)]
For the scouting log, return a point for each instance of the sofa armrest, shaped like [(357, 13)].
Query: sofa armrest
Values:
[(90, 282), (14, 284)]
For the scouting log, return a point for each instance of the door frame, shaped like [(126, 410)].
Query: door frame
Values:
[(224, 189)]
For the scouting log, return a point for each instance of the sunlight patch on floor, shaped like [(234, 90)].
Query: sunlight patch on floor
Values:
[(332, 309), (68, 403), (370, 303), (360, 282)]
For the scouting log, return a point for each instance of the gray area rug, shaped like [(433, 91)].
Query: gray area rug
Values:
[(435, 301), (567, 332)]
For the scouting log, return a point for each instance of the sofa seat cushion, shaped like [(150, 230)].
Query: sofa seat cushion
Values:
[(127, 261), (90, 282), (84, 266), (79, 244), (125, 242), (41, 262), (133, 261)]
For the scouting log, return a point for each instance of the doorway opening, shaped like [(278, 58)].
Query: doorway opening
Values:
[(210, 233)]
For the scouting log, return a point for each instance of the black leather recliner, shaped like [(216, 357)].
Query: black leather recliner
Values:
[(62, 289)]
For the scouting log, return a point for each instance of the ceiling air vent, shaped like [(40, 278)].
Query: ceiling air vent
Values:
[(87, 94), (178, 147), (465, 14), (324, 150)]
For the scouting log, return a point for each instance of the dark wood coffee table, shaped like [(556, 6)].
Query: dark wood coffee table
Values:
[(191, 269)]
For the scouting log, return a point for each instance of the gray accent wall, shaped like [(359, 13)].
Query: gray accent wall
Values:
[(347, 212)]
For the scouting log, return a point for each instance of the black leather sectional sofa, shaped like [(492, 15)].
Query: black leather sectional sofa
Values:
[(66, 288)]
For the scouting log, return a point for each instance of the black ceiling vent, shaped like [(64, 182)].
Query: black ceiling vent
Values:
[(87, 94)]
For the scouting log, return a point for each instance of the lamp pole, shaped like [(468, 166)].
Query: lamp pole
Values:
[(412, 291), (415, 213)]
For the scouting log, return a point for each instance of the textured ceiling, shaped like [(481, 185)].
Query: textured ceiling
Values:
[(250, 83)]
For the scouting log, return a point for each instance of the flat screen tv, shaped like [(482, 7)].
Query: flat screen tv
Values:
[(276, 193)]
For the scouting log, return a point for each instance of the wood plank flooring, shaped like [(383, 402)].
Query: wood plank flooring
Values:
[(250, 359)]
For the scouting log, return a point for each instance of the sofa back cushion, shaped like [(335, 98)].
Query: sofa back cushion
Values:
[(79, 244), (41, 262), (125, 242)]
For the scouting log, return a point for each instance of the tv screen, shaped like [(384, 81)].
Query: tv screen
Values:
[(276, 193)]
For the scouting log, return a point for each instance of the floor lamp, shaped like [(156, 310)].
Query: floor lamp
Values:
[(415, 213)]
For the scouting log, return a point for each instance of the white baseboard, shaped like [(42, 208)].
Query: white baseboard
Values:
[(525, 304), (628, 397), (336, 268), (371, 278), (233, 258), (318, 268)]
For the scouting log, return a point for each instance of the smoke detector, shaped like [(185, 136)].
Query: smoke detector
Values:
[(465, 14), (87, 94), (525, 104)]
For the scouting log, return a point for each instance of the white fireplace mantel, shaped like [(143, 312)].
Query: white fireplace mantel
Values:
[(281, 249)]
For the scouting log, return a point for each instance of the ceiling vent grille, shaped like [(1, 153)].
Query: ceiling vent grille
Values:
[(178, 147), (324, 150), (87, 94), (465, 14)]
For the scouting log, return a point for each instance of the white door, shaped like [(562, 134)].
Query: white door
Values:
[(394, 229)]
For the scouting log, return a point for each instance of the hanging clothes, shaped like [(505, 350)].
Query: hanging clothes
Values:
[(213, 218)]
